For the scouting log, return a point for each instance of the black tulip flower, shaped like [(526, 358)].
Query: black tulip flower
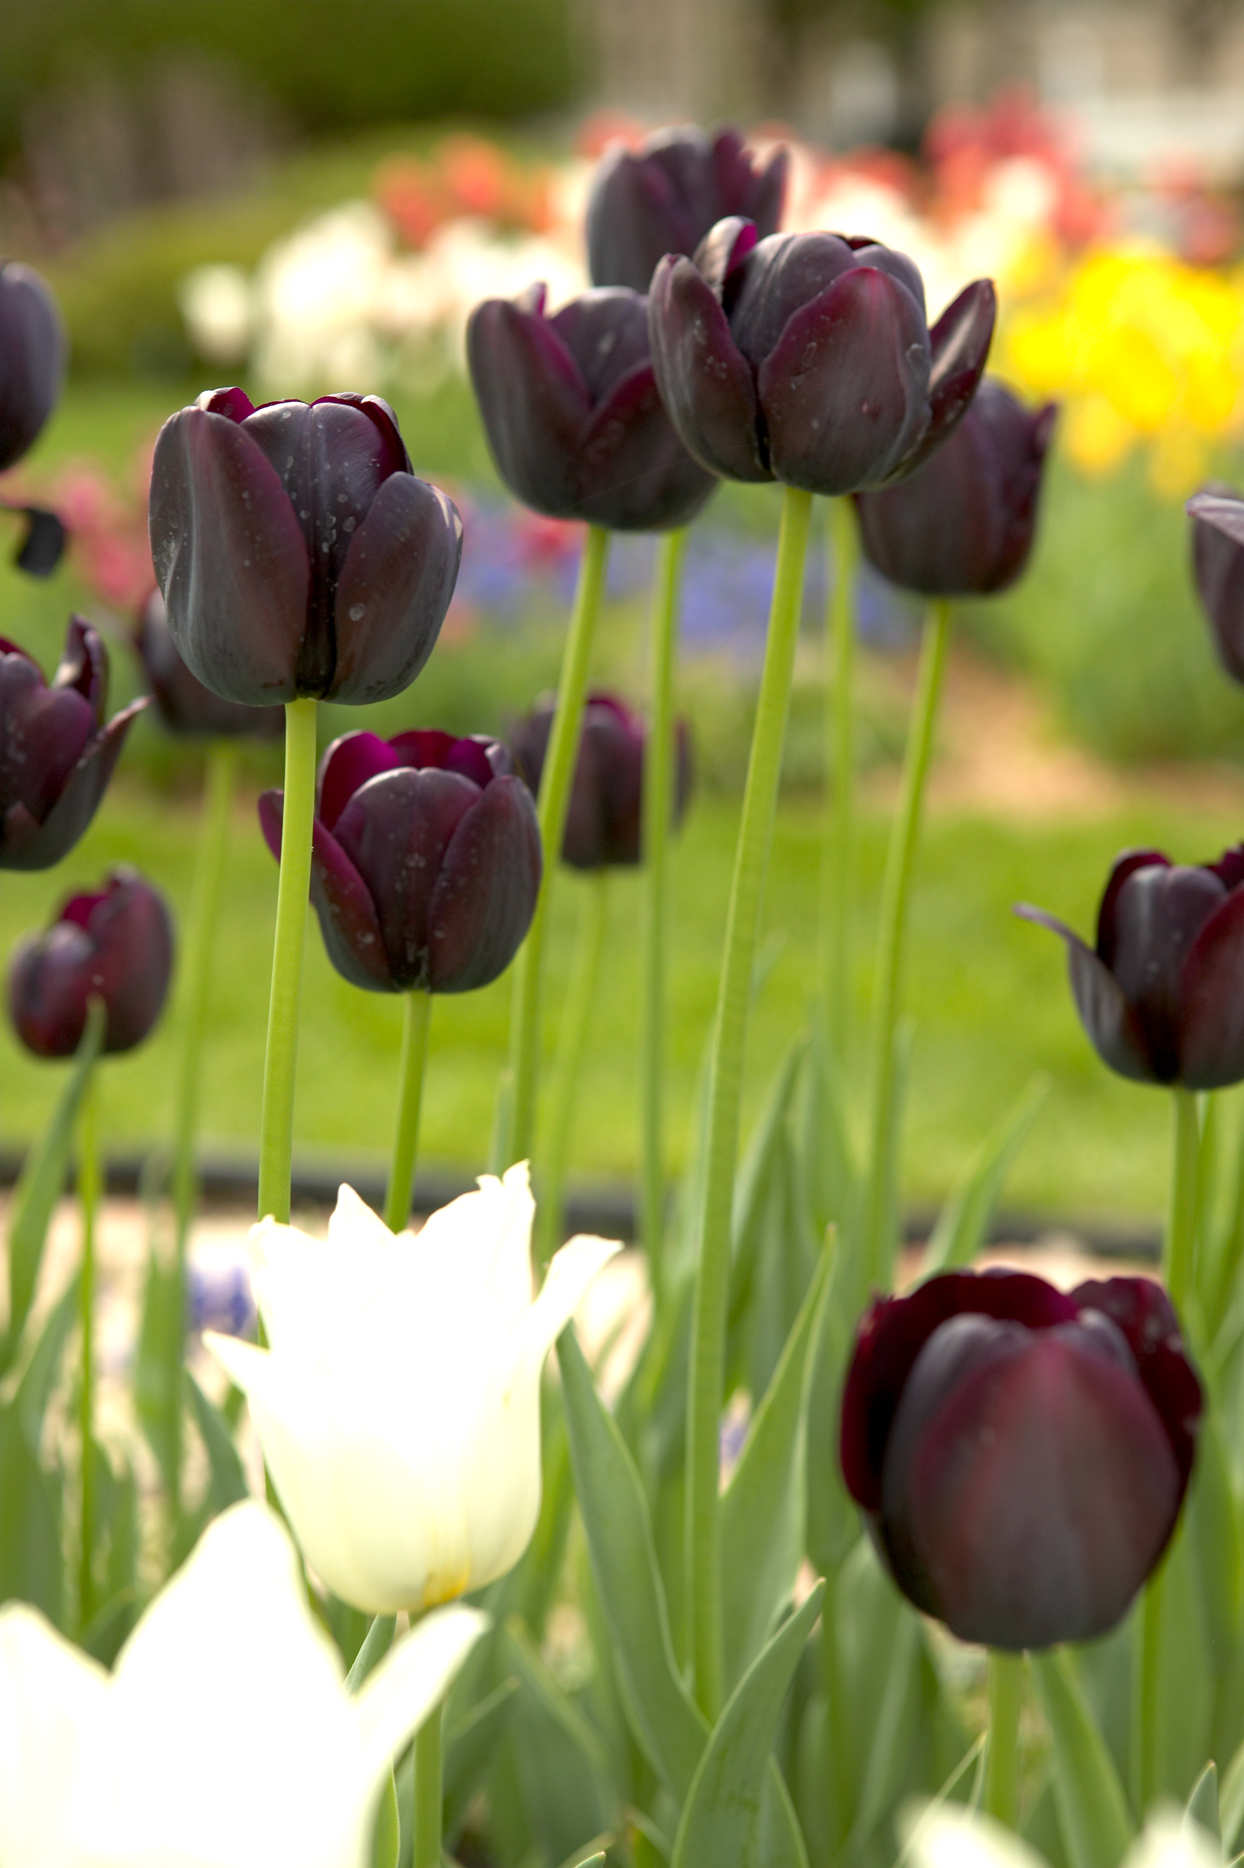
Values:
[(664, 196), (56, 754), (425, 860), (963, 524), (1162, 994), (297, 552), (1217, 515), (1020, 1453), (604, 819), (115, 945), (808, 358), (32, 359), (571, 411), (182, 701)]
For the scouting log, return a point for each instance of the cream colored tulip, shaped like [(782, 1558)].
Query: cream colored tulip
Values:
[(947, 1835), (398, 1402), (224, 1738)]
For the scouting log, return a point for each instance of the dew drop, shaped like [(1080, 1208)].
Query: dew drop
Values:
[(356, 612)]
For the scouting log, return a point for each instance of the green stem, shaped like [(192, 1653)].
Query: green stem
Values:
[(892, 940), (658, 805), (835, 915), (88, 1200), (429, 1792), (517, 1112), (1092, 1811), (418, 1017), (1006, 1691), (708, 1338), (276, 1131), (841, 1777), (571, 1038), (1179, 1254)]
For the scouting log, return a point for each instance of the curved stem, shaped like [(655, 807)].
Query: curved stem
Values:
[(517, 1110), (580, 998), (429, 1792), (88, 1200), (708, 1337), (418, 1017), (658, 805), (835, 907), (892, 940), (1006, 1691), (276, 1131)]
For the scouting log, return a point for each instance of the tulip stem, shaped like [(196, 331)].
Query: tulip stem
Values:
[(835, 915), (1000, 1798), (708, 1329), (571, 1038), (1179, 1255), (88, 1200), (658, 803), (429, 1792), (892, 941), (276, 1132), (415, 1025), (516, 1124)]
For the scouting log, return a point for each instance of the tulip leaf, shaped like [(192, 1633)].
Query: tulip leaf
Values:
[(762, 1513), (41, 1183), (376, 1644), (386, 1836), (1231, 1800), (735, 1815), (563, 1770), (828, 1157), (226, 1479), (469, 1744), (751, 1187), (1092, 1809), (159, 1393), (963, 1223), (34, 1390), (586, 1861), (667, 1724), (889, 1740), (1202, 1805), (31, 1562)]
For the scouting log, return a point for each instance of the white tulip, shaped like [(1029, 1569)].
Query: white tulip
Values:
[(398, 1402), (947, 1835), (224, 1738)]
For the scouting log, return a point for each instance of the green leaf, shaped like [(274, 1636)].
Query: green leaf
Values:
[(159, 1392), (1203, 1803), (832, 1176), (667, 1724), (386, 1836), (762, 1513), (964, 1220), (226, 1480), (724, 1822), (751, 1187), (376, 1644), (31, 1559), (587, 1861), (1231, 1801), (41, 1373), (41, 1183), (563, 1769), (1092, 1810), (469, 1744), (890, 1740)]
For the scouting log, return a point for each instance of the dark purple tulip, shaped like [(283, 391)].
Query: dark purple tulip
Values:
[(56, 754), (116, 945), (807, 358), (664, 196), (1020, 1453), (963, 525), (572, 414), (32, 358), (297, 552), (425, 860), (1217, 515), (182, 701), (604, 821), (1162, 996)]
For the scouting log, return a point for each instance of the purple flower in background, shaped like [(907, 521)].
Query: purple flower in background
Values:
[(182, 701), (32, 359), (425, 860), (297, 552), (1020, 1454), (807, 358), (56, 754), (1217, 515), (665, 196), (116, 945)]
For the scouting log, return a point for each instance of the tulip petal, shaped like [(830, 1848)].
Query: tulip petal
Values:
[(412, 1680), (52, 1698), (349, 762), (482, 1242), (704, 380), (394, 589), (343, 905), (230, 558), (1142, 1311), (570, 1272), (533, 401), (1112, 1025), (960, 343), (485, 895), (397, 831), (1211, 1001), (27, 845), (1125, 864), (634, 473), (1218, 560), (845, 389)]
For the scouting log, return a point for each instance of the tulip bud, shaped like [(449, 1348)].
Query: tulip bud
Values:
[(1217, 515), (1162, 995), (32, 358), (807, 358), (1020, 1454), (182, 701), (664, 196), (606, 798), (56, 754), (425, 860), (571, 411), (963, 525), (116, 945), (297, 552)]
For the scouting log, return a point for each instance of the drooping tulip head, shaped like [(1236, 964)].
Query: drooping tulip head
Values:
[(32, 358), (1019, 1453), (604, 818), (183, 703), (808, 358), (297, 552), (115, 945), (425, 860), (571, 411), (56, 754), (1217, 516), (664, 196), (1161, 995), (963, 524)]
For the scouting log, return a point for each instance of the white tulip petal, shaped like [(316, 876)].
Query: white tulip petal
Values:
[(50, 1700), (413, 1679), (478, 1248), (950, 1836), (1172, 1840), (570, 1272), (244, 1363)]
